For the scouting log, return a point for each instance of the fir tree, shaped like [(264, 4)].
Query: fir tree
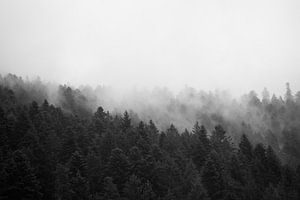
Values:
[(126, 121), (110, 190), (245, 149), (213, 179), (19, 180), (118, 167), (201, 146), (273, 166)]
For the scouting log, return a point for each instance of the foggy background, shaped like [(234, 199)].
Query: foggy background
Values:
[(235, 45)]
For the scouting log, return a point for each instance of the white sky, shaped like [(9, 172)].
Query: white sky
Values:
[(213, 44)]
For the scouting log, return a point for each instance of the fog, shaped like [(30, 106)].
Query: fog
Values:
[(226, 45), (262, 119)]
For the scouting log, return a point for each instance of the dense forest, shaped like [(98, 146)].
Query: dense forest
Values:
[(58, 142)]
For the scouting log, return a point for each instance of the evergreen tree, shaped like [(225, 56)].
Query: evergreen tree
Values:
[(201, 146), (69, 145), (271, 193), (221, 142), (143, 141), (45, 105), (100, 121), (77, 164), (172, 141), (79, 187), (288, 94), (162, 140), (287, 186), (153, 132), (201, 133), (169, 196), (197, 192), (94, 171), (273, 166), (19, 180), (62, 183), (136, 190), (110, 190), (156, 153), (118, 167), (238, 170), (213, 179), (4, 134), (21, 127), (126, 121), (265, 96), (245, 149), (259, 169)]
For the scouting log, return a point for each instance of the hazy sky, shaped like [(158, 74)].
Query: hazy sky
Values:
[(226, 44)]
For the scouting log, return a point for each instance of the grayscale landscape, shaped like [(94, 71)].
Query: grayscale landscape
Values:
[(150, 100)]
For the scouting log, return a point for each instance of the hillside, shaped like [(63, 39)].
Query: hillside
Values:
[(57, 144)]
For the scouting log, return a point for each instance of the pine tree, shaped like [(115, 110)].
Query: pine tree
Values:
[(201, 146), (273, 166), (143, 141), (106, 145), (19, 179), (69, 145), (221, 143), (33, 110), (201, 133), (169, 196), (126, 121), (147, 192), (62, 183), (77, 164), (286, 186), (288, 94), (94, 171), (156, 153), (79, 187), (198, 192), (238, 170), (245, 149), (22, 125), (162, 140), (172, 141), (131, 188), (134, 189), (4, 132), (212, 177), (110, 190), (45, 105), (259, 168), (137, 162), (100, 120), (271, 193), (265, 96), (153, 132), (118, 167)]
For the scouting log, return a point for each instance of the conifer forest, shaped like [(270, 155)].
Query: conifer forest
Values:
[(62, 143), (149, 100)]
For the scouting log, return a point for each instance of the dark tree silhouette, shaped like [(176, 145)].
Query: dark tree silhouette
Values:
[(65, 151)]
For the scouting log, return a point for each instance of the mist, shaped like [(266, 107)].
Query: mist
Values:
[(252, 113), (160, 99)]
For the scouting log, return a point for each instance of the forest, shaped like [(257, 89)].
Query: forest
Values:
[(60, 142)]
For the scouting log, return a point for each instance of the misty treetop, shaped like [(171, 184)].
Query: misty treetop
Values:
[(55, 143)]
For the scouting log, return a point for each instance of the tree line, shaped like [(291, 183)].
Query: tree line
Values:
[(48, 153)]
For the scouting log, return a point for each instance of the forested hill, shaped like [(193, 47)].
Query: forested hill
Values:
[(272, 120), (69, 149)]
